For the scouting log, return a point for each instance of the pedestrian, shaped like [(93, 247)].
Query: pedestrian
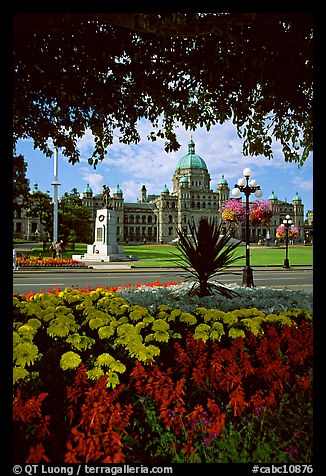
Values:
[(58, 248), (54, 249), (14, 259)]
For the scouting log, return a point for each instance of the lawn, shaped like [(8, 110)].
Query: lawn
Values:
[(164, 255)]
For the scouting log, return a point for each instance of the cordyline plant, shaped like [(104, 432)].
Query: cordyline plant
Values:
[(206, 253)]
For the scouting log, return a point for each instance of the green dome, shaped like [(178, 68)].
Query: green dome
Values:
[(165, 189), (272, 196), (223, 181), (191, 160), (118, 191), (184, 180), (88, 189), (297, 197)]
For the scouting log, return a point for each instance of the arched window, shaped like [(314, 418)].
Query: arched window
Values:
[(198, 205), (143, 219), (170, 218), (131, 219), (150, 219)]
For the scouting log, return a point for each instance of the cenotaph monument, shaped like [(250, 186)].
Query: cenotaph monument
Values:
[(105, 247)]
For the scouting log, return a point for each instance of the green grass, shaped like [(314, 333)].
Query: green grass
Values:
[(156, 255), (80, 248), (163, 255)]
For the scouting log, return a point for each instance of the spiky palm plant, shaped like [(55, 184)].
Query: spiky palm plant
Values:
[(207, 252)]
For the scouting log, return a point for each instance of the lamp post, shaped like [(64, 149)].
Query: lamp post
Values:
[(243, 185), (287, 222)]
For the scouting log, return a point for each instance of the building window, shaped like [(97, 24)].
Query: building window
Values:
[(150, 219), (192, 204), (131, 218), (143, 219), (198, 205), (170, 230)]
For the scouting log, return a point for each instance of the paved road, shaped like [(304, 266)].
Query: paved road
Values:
[(25, 281)]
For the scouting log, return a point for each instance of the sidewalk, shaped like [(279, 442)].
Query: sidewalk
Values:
[(118, 267)]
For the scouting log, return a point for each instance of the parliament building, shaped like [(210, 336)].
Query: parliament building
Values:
[(156, 218)]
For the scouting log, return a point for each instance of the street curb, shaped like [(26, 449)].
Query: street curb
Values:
[(144, 270)]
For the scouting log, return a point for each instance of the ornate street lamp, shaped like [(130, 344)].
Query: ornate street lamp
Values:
[(243, 185), (287, 222)]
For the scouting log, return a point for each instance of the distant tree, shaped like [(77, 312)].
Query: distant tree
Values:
[(40, 206), (20, 183), (74, 218), (105, 71)]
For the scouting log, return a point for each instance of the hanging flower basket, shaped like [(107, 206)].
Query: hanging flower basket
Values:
[(260, 213), (292, 233)]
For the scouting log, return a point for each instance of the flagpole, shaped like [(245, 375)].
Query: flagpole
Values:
[(55, 195)]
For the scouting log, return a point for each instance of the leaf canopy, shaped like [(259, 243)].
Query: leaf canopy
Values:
[(106, 71)]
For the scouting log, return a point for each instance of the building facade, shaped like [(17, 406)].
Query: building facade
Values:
[(27, 227), (156, 218)]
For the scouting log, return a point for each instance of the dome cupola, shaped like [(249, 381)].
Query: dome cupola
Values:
[(191, 160), (118, 191), (88, 192), (272, 196), (297, 198)]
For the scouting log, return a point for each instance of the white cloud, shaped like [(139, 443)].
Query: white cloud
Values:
[(146, 163), (302, 184), (95, 180), (85, 144)]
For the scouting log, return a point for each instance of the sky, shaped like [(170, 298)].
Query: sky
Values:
[(146, 163)]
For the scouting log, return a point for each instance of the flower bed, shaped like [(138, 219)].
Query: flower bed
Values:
[(159, 385), (49, 263)]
